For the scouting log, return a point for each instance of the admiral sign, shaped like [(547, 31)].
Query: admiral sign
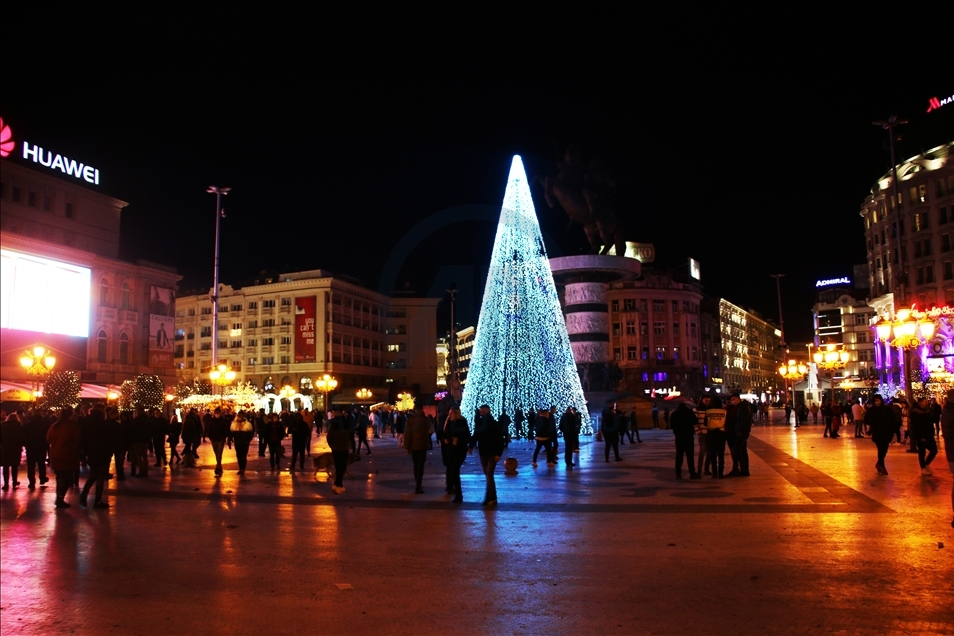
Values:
[(827, 282)]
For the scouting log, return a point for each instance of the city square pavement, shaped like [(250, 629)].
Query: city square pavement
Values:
[(813, 542)]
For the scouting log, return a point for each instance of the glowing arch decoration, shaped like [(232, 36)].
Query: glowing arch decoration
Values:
[(521, 356)]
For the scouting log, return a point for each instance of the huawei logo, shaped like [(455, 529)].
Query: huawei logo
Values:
[(6, 140)]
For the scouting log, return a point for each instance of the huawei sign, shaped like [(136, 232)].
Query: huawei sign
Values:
[(47, 158), (6, 140)]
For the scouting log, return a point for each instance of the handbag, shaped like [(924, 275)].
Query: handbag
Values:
[(599, 436)]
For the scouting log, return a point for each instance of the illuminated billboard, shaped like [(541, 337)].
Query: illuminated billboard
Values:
[(42, 295)]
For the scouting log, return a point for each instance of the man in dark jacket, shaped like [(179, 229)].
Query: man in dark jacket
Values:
[(99, 441), (35, 442), (743, 428), (417, 437), (339, 441), (947, 429), (217, 431), (300, 432), (570, 428), (731, 413), (159, 428), (139, 436), (881, 421), (922, 429), (609, 425), (489, 438), (683, 424)]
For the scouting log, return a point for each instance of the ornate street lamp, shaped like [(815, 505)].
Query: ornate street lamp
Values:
[(831, 360), (363, 394), (792, 372), (223, 376), (38, 363), (326, 384)]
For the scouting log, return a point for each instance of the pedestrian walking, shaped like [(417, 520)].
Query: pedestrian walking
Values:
[(743, 428), (11, 449), (456, 441), (64, 440), (34, 439), (241, 432), (416, 437), (218, 432), (159, 426), (275, 433), (922, 429), (570, 427), (882, 422), (99, 440), (947, 430), (544, 439), (174, 431), (139, 435), (299, 432), (683, 424), (339, 441), (634, 425), (609, 425), (655, 415), (489, 438), (362, 430)]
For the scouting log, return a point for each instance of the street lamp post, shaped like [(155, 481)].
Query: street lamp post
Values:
[(909, 333), (38, 363), (831, 360), (223, 376), (363, 394), (219, 213), (792, 372), (326, 384)]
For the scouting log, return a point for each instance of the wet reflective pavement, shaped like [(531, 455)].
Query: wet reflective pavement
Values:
[(813, 542)]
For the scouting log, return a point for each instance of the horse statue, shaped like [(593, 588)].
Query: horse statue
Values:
[(585, 193)]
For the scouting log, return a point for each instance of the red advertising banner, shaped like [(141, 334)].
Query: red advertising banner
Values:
[(305, 329)]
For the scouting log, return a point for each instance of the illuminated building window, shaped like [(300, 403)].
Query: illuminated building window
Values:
[(124, 349), (644, 354), (286, 340), (675, 353), (103, 293), (268, 360), (126, 296), (645, 377), (660, 353), (630, 327), (101, 347), (660, 376), (251, 362), (236, 325), (285, 302)]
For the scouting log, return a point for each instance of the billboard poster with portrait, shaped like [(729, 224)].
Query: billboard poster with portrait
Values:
[(162, 327), (305, 329)]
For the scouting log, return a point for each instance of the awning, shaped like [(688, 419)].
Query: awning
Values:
[(88, 391)]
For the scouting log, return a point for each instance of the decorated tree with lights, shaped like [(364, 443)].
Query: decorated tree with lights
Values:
[(521, 356), (148, 392), (61, 389), (126, 395)]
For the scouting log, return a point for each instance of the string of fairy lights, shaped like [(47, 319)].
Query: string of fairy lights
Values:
[(521, 356)]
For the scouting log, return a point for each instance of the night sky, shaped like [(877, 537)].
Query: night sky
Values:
[(740, 138)]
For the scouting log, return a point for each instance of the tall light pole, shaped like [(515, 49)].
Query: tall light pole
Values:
[(219, 192), (889, 125), (781, 324)]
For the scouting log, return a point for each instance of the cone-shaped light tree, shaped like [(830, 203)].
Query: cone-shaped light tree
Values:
[(521, 356)]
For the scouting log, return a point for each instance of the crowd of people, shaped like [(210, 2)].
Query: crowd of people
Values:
[(98, 438)]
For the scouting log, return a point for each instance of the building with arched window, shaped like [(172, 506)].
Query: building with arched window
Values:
[(48, 225)]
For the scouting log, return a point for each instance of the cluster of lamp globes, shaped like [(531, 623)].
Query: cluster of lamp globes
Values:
[(39, 361), (909, 332)]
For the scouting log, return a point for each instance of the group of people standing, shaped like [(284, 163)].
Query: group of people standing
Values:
[(716, 428)]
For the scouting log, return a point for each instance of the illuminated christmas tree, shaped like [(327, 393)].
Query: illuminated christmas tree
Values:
[(148, 392), (62, 389), (521, 356)]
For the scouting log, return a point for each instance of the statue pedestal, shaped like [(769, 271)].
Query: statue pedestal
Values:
[(585, 280)]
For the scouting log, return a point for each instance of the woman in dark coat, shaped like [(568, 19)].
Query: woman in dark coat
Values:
[(64, 440), (455, 441), (174, 431), (880, 420), (11, 449)]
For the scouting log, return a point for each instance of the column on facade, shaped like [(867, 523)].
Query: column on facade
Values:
[(587, 321)]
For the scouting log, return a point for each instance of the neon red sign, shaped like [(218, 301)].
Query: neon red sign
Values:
[(6, 140), (934, 103)]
